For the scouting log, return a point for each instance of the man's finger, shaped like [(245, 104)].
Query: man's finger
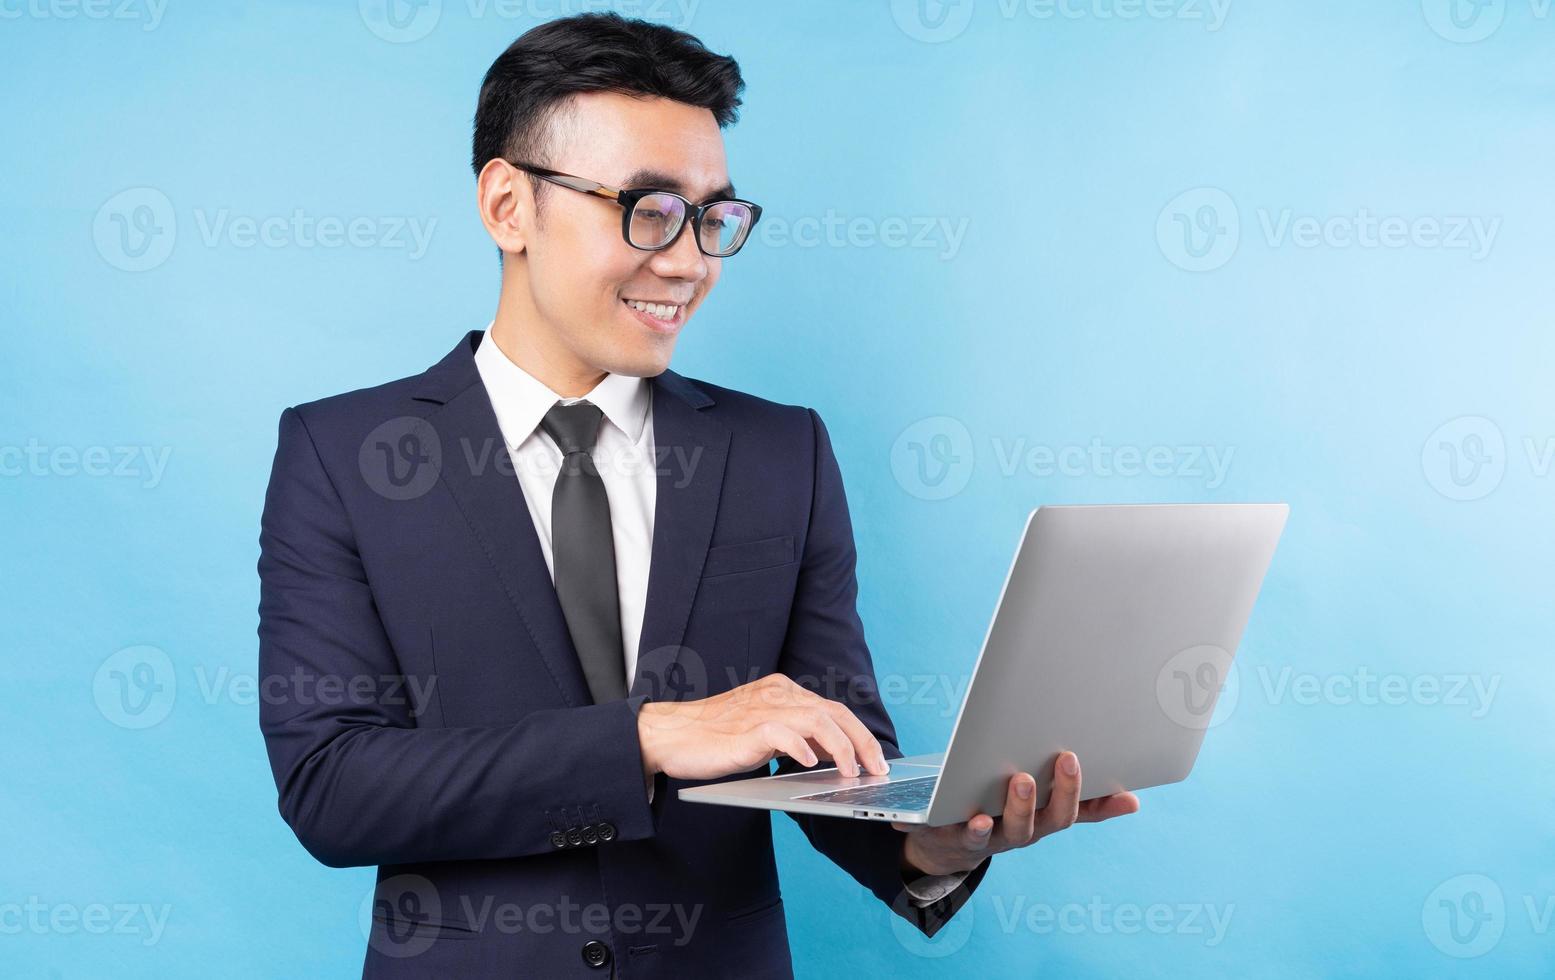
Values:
[(976, 833), (1063, 804), (865, 745), (1107, 807), (816, 724), (1018, 824), (781, 738)]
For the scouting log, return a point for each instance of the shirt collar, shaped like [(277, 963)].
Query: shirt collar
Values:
[(521, 400)]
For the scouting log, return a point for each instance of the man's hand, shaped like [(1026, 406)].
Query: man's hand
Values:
[(962, 847), (743, 728)]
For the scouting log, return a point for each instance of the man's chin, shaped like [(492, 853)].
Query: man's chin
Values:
[(641, 364)]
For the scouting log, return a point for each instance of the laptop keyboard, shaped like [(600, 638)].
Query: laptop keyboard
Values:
[(907, 794)]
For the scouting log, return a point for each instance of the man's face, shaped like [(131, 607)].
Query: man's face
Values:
[(581, 272)]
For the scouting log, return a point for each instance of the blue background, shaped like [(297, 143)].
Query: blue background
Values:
[(1128, 274)]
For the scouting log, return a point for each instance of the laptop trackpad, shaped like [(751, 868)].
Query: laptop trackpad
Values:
[(908, 768)]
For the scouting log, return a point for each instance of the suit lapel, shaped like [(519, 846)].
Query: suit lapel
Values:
[(690, 449), (491, 499)]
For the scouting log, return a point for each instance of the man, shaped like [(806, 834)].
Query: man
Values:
[(517, 601)]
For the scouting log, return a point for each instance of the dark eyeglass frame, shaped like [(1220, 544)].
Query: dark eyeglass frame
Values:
[(628, 199)]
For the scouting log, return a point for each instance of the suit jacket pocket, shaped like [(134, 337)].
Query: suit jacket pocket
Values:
[(403, 936), (748, 556), (765, 907)]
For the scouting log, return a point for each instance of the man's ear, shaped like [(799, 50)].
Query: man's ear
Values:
[(506, 202)]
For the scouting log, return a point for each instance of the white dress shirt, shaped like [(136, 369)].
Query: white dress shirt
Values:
[(624, 457)]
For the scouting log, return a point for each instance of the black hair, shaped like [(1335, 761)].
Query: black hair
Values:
[(602, 52)]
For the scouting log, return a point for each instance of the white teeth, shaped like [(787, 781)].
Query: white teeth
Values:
[(660, 310)]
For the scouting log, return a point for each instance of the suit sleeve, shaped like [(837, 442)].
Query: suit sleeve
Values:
[(359, 782), (826, 640)]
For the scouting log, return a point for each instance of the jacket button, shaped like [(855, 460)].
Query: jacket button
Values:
[(596, 954), (574, 836), (558, 840), (590, 834), (607, 832)]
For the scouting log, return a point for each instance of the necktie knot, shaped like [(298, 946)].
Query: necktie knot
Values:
[(575, 427)]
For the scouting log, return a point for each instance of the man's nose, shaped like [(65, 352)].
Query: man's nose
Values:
[(682, 260)]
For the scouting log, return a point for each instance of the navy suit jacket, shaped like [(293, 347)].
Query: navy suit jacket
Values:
[(424, 710)]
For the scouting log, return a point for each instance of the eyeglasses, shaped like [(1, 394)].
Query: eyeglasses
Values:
[(651, 220)]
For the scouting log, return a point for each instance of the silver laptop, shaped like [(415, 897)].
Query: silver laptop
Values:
[(1113, 637)]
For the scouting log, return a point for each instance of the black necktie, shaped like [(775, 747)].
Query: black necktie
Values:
[(583, 554)]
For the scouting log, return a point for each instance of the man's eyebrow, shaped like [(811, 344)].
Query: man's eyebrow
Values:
[(659, 180)]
